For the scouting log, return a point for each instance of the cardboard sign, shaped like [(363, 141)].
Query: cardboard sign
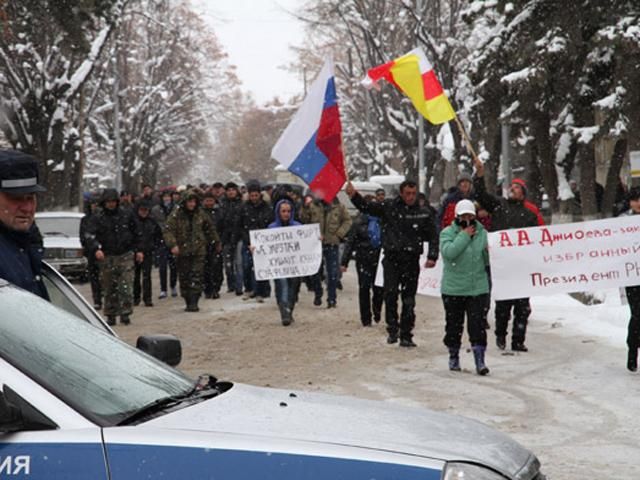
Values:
[(286, 252)]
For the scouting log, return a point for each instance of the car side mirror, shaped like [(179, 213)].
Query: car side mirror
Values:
[(10, 416), (166, 348)]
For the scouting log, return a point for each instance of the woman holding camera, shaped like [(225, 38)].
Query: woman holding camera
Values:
[(465, 286)]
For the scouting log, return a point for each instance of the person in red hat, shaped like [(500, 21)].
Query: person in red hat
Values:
[(508, 213)]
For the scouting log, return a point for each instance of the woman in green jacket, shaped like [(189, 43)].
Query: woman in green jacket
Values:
[(465, 286)]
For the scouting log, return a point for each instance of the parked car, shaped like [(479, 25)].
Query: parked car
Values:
[(61, 234), (77, 403)]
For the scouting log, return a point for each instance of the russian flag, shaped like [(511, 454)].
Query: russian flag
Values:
[(311, 145)]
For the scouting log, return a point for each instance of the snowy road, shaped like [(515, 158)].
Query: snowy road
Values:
[(570, 399)]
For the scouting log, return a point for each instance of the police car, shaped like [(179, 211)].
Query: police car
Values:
[(78, 403)]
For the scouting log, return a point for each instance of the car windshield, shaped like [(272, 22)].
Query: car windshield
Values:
[(67, 226), (100, 376)]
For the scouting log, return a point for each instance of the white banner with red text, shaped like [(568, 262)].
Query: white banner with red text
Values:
[(286, 252), (429, 279), (572, 257)]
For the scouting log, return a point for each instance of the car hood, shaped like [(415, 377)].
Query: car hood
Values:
[(62, 242), (296, 415)]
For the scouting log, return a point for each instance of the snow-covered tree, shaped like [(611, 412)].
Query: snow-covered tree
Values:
[(48, 51), (174, 86)]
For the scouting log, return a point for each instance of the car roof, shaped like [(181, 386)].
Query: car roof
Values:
[(59, 214)]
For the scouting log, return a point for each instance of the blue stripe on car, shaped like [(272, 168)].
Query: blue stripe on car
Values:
[(170, 462)]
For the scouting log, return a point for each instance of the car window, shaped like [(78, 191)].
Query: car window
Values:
[(59, 299), (65, 226), (92, 371)]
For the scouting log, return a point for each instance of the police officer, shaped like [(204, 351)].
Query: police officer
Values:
[(189, 232), (405, 226), (21, 248), (113, 238)]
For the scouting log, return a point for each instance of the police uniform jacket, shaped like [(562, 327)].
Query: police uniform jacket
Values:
[(21, 256)]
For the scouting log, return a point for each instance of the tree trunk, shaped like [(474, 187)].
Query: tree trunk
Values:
[(613, 176), (587, 163)]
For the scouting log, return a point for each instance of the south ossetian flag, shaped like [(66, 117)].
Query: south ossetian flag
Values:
[(311, 145), (414, 76)]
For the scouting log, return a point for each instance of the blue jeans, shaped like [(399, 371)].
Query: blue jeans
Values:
[(287, 291), (330, 255)]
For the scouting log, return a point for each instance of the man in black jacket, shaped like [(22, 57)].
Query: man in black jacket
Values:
[(365, 239), (21, 249), (150, 241), (113, 238), (255, 214), (405, 226), (93, 268), (231, 240), (508, 213)]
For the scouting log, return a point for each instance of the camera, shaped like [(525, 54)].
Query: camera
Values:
[(464, 223)]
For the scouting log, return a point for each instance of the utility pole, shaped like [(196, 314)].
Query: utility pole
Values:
[(116, 120), (422, 174)]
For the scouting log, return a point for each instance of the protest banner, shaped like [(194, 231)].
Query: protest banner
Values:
[(286, 252), (429, 279), (572, 257)]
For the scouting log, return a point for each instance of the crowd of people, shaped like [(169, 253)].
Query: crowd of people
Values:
[(199, 235)]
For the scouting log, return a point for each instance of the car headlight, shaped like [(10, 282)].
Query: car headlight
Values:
[(468, 471)]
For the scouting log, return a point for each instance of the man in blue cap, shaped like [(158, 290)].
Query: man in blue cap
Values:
[(21, 249)]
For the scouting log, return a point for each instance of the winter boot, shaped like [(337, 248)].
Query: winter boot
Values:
[(192, 303), (285, 314), (291, 307), (478, 355), (111, 320), (501, 342), (632, 360), (454, 359), (124, 319)]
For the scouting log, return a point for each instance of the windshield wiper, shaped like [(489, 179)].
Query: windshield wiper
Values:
[(56, 234), (203, 388)]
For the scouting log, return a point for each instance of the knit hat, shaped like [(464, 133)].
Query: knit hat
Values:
[(521, 183), (464, 177)]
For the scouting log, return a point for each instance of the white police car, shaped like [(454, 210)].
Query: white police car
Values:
[(78, 403)]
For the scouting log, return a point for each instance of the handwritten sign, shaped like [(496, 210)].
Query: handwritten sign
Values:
[(572, 257), (429, 280), (286, 252)]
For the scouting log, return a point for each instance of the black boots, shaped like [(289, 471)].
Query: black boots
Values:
[(111, 320), (478, 356), (632, 360), (192, 303), (286, 314), (454, 359)]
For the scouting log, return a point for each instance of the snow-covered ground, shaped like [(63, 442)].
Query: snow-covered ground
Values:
[(606, 321)]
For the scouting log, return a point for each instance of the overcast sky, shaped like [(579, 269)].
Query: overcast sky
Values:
[(257, 35)]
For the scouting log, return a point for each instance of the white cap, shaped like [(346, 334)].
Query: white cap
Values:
[(465, 206)]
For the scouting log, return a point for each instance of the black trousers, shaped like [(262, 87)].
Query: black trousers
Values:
[(143, 275), (213, 271), (93, 272), (401, 272), (370, 297), (633, 334), (521, 312), (455, 308), (165, 259)]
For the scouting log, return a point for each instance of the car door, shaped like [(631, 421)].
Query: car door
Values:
[(51, 440)]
